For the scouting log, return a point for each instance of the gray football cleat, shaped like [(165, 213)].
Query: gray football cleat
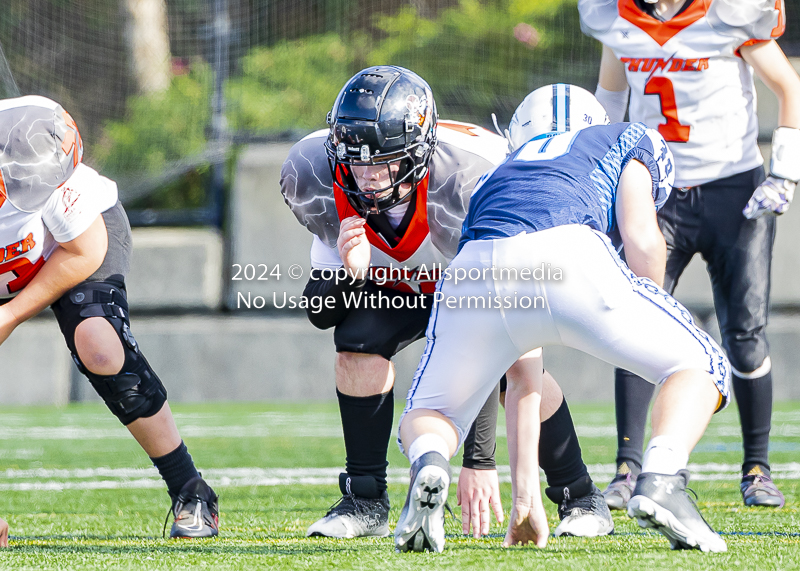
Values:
[(758, 489), (586, 516), (421, 523), (361, 511), (660, 502), (619, 491), (196, 511)]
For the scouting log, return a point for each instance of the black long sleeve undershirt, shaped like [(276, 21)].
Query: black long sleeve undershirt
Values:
[(334, 311), (480, 443)]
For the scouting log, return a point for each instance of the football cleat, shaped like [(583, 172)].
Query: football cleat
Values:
[(586, 516), (421, 523), (361, 511), (619, 491), (196, 511), (758, 489), (660, 502)]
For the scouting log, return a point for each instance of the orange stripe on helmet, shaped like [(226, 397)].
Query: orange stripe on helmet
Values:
[(72, 140)]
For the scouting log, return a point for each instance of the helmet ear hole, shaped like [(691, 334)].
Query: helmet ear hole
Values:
[(383, 115)]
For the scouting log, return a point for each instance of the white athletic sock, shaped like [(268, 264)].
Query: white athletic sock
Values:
[(665, 455), (428, 443)]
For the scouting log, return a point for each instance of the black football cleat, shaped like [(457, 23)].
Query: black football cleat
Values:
[(660, 502), (362, 511), (196, 511), (584, 516)]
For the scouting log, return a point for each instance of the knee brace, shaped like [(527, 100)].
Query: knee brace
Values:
[(136, 391)]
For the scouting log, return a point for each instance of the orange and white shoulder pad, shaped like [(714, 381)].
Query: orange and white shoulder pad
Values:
[(748, 19)]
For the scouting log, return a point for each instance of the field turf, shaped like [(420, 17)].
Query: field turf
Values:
[(78, 493)]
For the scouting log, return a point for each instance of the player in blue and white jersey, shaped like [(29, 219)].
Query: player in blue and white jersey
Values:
[(551, 204)]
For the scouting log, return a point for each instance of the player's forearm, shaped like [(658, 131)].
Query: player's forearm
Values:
[(789, 108), (62, 271), (522, 425), (333, 309), (523, 404), (648, 258)]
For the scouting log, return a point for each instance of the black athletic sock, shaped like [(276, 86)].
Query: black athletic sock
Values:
[(754, 399), (632, 395), (367, 427), (559, 450), (176, 468)]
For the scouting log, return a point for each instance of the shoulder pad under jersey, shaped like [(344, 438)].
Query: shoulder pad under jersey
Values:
[(748, 19), (307, 188), (597, 16), (40, 147), (454, 173)]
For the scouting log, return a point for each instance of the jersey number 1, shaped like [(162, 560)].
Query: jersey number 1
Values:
[(672, 131)]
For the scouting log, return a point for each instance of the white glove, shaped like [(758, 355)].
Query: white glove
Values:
[(773, 196)]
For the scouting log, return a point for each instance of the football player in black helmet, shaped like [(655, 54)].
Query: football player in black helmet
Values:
[(382, 137), (386, 186)]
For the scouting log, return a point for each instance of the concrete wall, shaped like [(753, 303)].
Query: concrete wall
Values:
[(178, 269), (201, 358), (266, 235)]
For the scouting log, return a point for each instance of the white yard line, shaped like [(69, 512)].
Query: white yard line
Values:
[(299, 430), (132, 478)]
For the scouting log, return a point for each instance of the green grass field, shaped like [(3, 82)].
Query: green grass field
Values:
[(78, 493)]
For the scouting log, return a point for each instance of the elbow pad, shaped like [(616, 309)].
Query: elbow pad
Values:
[(785, 161)]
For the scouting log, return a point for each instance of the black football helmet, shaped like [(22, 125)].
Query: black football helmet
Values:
[(384, 114)]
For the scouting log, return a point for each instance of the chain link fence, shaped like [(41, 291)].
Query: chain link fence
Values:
[(163, 91)]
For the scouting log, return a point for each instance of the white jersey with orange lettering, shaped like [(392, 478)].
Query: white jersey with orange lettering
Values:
[(464, 152), (27, 239), (688, 79)]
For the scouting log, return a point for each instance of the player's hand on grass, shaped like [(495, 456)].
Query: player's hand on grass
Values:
[(773, 196), (3, 533), (527, 523), (354, 247), (478, 490)]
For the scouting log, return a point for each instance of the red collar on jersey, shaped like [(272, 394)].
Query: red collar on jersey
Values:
[(2, 190), (414, 235), (662, 32)]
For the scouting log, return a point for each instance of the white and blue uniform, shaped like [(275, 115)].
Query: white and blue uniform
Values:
[(536, 268), (576, 175)]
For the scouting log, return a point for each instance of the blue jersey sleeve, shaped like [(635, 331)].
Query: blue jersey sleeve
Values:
[(652, 151)]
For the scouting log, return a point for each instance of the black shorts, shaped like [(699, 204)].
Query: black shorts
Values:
[(117, 262), (113, 271), (738, 252), (383, 330)]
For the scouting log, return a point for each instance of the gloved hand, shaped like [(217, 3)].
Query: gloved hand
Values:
[(773, 196)]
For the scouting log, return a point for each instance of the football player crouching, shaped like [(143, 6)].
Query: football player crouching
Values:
[(67, 245), (388, 185), (567, 183)]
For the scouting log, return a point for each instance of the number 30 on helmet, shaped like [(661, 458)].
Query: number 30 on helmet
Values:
[(554, 109), (384, 115)]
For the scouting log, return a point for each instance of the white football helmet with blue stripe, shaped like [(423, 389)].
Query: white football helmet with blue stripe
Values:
[(553, 109)]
